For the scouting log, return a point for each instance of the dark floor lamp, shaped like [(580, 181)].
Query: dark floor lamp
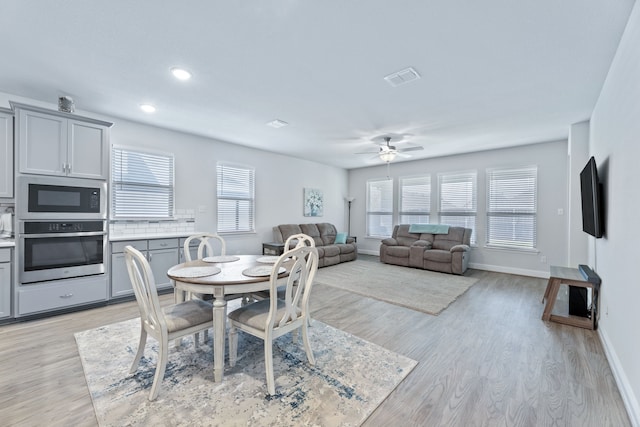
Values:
[(349, 199)]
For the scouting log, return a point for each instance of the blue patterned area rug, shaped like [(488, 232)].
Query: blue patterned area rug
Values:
[(350, 379)]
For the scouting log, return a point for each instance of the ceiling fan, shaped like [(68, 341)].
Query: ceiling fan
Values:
[(387, 152)]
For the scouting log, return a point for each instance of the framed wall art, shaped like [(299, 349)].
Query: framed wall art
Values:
[(313, 202)]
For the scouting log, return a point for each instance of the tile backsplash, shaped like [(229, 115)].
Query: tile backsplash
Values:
[(184, 222)]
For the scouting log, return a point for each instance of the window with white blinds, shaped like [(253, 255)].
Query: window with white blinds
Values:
[(236, 198), (415, 200), (457, 204), (512, 207), (142, 184), (380, 208)]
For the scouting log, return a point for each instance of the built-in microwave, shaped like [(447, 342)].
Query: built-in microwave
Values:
[(47, 197)]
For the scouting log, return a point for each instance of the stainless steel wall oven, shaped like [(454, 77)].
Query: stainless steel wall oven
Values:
[(53, 250), (61, 228)]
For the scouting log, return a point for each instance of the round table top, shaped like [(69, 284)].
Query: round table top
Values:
[(230, 272)]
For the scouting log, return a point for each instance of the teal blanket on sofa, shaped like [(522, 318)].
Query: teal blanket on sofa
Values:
[(429, 228)]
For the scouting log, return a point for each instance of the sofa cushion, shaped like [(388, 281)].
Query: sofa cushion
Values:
[(289, 230), (403, 236), (460, 248), (447, 241), (328, 233), (437, 255), (398, 251), (346, 248), (331, 250), (312, 231), (390, 241)]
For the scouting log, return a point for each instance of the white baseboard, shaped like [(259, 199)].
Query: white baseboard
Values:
[(368, 252), (510, 270), (628, 396)]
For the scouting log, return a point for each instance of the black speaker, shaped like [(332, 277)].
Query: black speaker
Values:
[(578, 301)]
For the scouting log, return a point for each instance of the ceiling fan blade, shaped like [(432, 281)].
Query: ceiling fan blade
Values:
[(368, 152), (416, 148)]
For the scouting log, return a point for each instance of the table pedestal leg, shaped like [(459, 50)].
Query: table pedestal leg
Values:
[(219, 329)]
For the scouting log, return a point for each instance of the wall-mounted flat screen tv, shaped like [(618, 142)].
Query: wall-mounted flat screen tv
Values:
[(592, 207)]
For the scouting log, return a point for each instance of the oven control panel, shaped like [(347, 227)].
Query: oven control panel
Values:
[(40, 227)]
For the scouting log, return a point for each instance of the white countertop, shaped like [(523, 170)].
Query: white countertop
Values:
[(7, 243), (123, 237)]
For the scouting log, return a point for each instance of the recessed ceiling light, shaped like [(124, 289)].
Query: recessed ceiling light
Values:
[(147, 108), (277, 124), (180, 73)]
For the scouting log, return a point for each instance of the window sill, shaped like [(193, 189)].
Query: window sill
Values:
[(532, 251), (235, 233), (130, 220)]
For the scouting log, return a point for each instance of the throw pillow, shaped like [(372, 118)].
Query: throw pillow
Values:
[(341, 238)]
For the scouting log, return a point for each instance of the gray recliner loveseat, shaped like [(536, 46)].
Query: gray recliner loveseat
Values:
[(324, 236), (447, 252)]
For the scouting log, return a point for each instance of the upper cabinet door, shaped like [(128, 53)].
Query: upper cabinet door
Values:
[(6, 154), (43, 143), (88, 150), (62, 144)]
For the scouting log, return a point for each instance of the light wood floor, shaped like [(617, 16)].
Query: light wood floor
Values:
[(487, 360)]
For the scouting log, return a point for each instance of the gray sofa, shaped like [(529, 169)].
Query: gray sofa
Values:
[(447, 253), (324, 236)]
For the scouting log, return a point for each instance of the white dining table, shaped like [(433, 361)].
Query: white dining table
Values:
[(230, 280)]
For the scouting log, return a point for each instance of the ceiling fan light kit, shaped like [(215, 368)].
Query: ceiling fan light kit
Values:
[(387, 155), (387, 152)]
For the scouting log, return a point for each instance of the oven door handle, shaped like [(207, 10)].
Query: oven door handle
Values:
[(48, 235)]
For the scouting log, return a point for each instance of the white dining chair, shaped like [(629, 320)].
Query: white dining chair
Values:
[(205, 248), (162, 323), (299, 240), (273, 317), (292, 242)]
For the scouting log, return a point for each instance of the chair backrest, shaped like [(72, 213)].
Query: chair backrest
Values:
[(298, 285), (204, 247), (299, 240), (144, 286)]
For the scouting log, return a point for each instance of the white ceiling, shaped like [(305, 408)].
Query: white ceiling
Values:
[(494, 73)]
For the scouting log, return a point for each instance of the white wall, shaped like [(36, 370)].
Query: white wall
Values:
[(279, 179), (578, 152), (551, 159), (615, 143)]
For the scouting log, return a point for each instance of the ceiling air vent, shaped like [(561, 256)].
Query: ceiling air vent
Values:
[(277, 123), (401, 77)]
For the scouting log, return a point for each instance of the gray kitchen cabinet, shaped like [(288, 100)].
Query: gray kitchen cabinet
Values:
[(161, 253), (56, 143), (60, 294), (6, 153), (5, 283)]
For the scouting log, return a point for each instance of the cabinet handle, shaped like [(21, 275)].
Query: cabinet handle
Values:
[(66, 296), (68, 168), (150, 256)]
